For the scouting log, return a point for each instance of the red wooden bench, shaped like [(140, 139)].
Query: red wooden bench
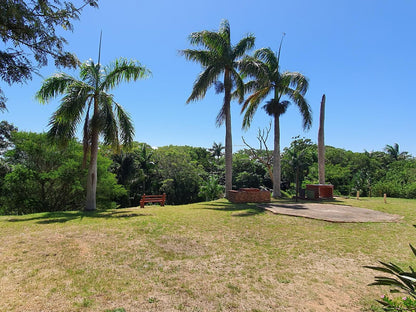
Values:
[(152, 199)]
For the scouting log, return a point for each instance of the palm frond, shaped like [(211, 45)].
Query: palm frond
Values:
[(239, 85), (251, 104), (268, 57), (123, 70), (54, 86), (205, 58), (126, 128), (64, 121), (304, 108), (225, 31), (220, 117), (210, 40), (250, 66), (297, 81), (203, 82), (91, 73), (243, 46), (107, 121)]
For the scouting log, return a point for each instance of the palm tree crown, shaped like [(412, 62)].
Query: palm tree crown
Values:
[(219, 57), (86, 97)]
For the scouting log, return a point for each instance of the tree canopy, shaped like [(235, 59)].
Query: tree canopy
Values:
[(28, 30)]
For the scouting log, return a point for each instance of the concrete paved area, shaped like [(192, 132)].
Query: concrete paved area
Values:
[(331, 212)]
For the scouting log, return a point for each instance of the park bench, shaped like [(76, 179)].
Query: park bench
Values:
[(152, 199)]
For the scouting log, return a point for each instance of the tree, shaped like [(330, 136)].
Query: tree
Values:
[(86, 96), (6, 131), (219, 58), (299, 157), (216, 150), (264, 68), (179, 175), (28, 31)]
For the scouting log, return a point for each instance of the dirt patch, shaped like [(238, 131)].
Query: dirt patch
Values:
[(332, 213)]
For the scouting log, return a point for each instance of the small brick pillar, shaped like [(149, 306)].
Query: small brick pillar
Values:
[(323, 191)]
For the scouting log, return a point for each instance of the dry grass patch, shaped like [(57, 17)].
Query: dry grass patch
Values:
[(204, 257)]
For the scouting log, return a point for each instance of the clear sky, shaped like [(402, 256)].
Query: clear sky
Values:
[(360, 53)]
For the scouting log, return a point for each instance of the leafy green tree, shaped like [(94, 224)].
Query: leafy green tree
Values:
[(268, 80), (42, 177), (30, 33), (86, 97), (180, 177), (6, 130), (297, 160), (45, 177), (220, 57), (248, 172)]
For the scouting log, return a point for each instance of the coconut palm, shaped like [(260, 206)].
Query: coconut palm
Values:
[(86, 97), (264, 68), (220, 57)]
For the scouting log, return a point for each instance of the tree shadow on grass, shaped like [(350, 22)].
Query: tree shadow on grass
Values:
[(241, 210), (65, 216)]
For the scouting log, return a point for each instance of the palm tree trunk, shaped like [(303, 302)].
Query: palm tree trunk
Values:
[(228, 135), (92, 169), (321, 143), (276, 158)]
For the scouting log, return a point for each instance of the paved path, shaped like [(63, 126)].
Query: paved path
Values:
[(332, 213)]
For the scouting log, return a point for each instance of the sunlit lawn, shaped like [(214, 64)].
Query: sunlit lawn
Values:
[(212, 256)]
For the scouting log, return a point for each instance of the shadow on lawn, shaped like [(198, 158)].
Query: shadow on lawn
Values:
[(242, 210), (65, 216)]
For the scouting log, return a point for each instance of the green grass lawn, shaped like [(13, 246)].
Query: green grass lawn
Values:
[(214, 256)]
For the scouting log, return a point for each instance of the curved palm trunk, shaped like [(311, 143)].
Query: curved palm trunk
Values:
[(228, 135), (92, 169), (276, 158)]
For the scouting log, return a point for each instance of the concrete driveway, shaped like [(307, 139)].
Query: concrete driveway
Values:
[(331, 212)]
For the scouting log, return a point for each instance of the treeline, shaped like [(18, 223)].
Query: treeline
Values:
[(37, 175)]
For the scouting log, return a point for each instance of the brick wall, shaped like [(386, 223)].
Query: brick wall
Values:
[(249, 196)]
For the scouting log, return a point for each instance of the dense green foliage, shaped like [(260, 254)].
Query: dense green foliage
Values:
[(40, 176), (37, 175)]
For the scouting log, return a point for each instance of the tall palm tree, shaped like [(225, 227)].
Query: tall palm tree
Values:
[(264, 68), (220, 57), (87, 96)]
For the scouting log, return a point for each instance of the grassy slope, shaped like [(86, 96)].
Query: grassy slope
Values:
[(204, 257)]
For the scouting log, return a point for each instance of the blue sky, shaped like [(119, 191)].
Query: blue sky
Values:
[(360, 53)]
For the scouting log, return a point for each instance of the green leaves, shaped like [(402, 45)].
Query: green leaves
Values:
[(399, 280)]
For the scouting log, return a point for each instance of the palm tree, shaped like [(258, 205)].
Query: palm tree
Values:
[(394, 152), (264, 68), (216, 150), (220, 57), (87, 96)]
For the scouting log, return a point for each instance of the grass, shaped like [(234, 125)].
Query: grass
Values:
[(213, 256)]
